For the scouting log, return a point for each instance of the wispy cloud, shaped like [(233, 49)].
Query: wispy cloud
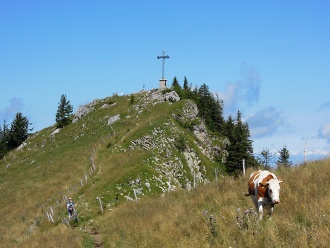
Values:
[(243, 92), (265, 122), (325, 106), (15, 105), (324, 132)]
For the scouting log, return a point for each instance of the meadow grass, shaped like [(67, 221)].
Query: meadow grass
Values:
[(182, 218), (212, 215)]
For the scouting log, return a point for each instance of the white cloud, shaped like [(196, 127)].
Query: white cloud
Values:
[(8, 113), (242, 92), (265, 122), (324, 132)]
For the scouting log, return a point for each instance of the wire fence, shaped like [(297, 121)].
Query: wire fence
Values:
[(54, 211)]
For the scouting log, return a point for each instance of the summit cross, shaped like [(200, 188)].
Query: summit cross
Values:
[(163, 57)]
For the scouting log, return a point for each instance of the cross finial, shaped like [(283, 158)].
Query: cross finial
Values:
[(163, 57)]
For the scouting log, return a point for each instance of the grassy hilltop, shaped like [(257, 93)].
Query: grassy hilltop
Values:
[(141, 157)]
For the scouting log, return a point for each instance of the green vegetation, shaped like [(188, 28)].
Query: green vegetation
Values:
[(63, 113), (13, 137), (210, 107), (126, 165), (284, 157), (218, 214)]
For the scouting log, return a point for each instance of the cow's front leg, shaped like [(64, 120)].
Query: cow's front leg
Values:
[(270, 212), (260, 208)]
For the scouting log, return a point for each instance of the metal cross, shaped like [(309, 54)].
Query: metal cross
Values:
[(163, 57)]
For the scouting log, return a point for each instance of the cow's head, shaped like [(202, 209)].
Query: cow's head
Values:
[(273, 189)]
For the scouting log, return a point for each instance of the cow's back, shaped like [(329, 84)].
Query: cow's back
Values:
[(257, 184), (252, 182)]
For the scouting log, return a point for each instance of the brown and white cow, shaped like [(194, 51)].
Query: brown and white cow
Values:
[(264, 189)]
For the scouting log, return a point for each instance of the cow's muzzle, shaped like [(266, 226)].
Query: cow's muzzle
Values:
[(277, 201)]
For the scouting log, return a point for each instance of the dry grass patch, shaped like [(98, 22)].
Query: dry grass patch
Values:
[(219, 214)]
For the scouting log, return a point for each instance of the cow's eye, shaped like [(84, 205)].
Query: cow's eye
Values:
[(270, 191)]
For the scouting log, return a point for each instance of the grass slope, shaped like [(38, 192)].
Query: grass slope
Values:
[(90, 159), (86, 159)]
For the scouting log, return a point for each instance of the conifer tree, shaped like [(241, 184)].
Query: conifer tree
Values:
[(131, 102), (284, 157), (176, 87), (229, 131), (194, 94), (19, 131), (240, 146), (64, 112), (217, 113), (186, 90), (3, 139), (210, 109), (185, 83), (205, 103), (266, 158)]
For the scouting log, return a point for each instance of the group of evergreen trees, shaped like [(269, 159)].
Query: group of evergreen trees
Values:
[(266, 158), (234, 129), (13, 136)]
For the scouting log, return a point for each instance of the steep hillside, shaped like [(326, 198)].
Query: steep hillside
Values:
[(117, 149)]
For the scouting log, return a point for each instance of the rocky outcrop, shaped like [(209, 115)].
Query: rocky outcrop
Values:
[(156, 96), (55, 132), (84, 110), (113, 119), (177, 163), (175, 170)]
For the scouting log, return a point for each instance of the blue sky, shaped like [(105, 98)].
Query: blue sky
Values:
[(268, 59)]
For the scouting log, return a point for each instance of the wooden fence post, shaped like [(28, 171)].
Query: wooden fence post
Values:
[(135, 195), (51, 210), (99, 198), (244, 167), (50, 218), (194, 179)]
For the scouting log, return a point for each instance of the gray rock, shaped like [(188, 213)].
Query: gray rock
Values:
[(113, 119)]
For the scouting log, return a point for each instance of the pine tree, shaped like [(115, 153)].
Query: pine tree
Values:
[(64, 111), (185, 84), (217, 113), (229, 131), (283, 159), (131, 102), (240, 146), (19, 131), (208, 110), (194, 94), (176, 87), (186, 90), (266, 158), (3, 139)]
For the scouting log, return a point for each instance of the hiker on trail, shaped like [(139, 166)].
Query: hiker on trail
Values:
[(70, 207)]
